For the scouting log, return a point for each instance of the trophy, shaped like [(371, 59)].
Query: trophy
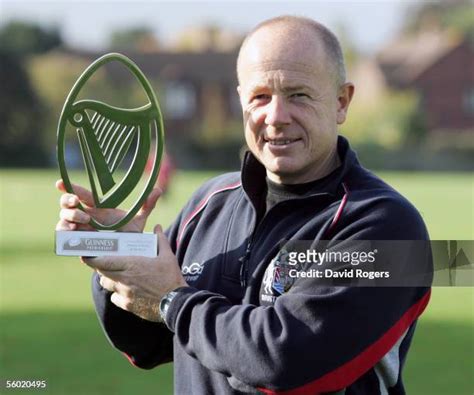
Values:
[(108, 138)]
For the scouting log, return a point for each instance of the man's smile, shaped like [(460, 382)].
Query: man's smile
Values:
[(281, 142)]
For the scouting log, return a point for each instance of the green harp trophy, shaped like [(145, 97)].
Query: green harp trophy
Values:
[(109, 138)]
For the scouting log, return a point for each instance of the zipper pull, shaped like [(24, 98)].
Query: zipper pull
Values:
[(244, 266)]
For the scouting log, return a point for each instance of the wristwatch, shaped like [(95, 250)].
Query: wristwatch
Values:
[(165, 304)]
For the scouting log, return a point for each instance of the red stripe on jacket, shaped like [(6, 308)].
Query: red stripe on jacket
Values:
[(201, 206), (346, 374), (340, 209)]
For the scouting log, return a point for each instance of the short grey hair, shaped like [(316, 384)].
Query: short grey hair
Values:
[(330, 42)]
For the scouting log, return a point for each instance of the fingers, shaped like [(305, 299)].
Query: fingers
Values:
[(74, 215), (163, 243), (65, 225), (150, 203), (108, 284), (121, 295), (158, 230), (68, 200), (82, 193), (72, 218), (120, 301), (69, 211), (60, 185), (69, 203), (107, 264)]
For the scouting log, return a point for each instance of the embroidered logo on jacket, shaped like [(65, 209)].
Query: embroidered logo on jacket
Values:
[(276, 280)]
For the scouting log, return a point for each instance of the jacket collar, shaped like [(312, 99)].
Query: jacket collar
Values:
[(253, 173)]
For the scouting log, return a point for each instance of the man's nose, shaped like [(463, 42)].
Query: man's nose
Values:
[(277, 112)]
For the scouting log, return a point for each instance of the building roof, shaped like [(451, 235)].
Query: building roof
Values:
[(406, 58), (196, 66)]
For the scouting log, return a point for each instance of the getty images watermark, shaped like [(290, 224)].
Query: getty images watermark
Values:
[(378, 262), (319, 258)]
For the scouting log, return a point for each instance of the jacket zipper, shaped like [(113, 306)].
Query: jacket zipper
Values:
[(244, 268), (244, 264)]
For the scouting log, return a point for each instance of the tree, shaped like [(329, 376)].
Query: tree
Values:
[(22, 113), (138, 38), (22, 38), (20, 116), (456, 15)]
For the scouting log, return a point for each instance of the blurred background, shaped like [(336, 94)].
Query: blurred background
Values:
[(411, 121)]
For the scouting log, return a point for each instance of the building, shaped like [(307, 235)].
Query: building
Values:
[(440, 66)]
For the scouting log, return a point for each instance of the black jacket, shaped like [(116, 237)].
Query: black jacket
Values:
[(231, 332)]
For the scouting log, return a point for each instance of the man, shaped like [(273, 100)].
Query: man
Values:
[(225, 319)]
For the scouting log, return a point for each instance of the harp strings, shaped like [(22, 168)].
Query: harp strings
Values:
[(114, 138)]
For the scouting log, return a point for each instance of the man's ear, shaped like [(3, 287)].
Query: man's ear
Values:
[(346, 92)]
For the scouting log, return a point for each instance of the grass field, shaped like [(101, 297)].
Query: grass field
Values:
[(48, 329)]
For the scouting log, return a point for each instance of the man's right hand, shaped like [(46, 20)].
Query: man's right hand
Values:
[(73, 218)]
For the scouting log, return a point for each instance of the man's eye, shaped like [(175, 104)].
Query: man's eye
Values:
[(260, 97), (298, 95)]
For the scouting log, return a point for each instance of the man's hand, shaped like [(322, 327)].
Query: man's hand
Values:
[(72, 218), (139, 283)]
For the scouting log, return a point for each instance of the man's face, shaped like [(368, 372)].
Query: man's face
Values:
[(291, 106)]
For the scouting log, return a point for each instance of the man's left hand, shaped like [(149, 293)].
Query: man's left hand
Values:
[(139, 283)]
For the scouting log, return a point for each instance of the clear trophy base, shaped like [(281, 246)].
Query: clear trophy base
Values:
[(80, 243)]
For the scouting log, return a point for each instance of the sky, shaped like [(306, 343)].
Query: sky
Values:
[(87, 24)]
